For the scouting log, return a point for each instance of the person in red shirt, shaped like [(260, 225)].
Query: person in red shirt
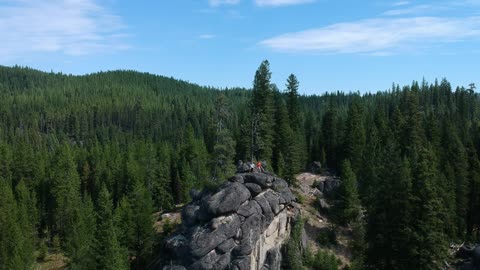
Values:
[(259, 166)]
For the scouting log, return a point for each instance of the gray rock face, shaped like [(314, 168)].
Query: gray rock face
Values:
[(324, 205), (328, 186), (241, 225), (315, 167), (471, 256), (254, 188), (476, 257), (228, 200), (273, 259)]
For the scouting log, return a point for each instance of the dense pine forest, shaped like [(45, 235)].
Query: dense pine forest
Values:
[(85, 161)]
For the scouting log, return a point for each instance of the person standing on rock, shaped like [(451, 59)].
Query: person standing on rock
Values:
[(251, 166), (259, 166)]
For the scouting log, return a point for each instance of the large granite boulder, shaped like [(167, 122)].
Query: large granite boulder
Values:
[(228, 200), (241, 225), (328, 185), (470, 256)]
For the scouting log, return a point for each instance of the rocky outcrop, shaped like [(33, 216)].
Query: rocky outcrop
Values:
[(470, 256), (327, 185), (241, 225)]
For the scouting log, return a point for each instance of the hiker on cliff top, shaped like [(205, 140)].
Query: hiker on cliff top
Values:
[(259, 166)]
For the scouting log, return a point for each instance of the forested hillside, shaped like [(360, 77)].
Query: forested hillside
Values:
[(86, 160)]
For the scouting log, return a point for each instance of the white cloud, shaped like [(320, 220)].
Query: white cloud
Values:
[(412, 10), (378, 36), (206, 36), (401, 3), (215, 3), (281, 2), (72, 27), (448, 6), (261, 3)]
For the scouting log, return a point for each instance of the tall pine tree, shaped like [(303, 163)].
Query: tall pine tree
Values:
[(224, 145), (348, 203), (262, 114), (428, 245), (109, 253), (355, 135), (80, 237), (293, 105), (389, 214)]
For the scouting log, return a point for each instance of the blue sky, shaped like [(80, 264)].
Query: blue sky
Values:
[(329, 44)]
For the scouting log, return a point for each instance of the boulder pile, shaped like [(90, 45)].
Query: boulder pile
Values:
[(240, 225)]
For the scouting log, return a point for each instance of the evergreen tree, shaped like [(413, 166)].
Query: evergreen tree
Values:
[(473, 216), (224, 146), (293, 103), (66, 192), (123, 223), (262, 114), (193, 160), (5, 162), (355, 136), (294, 253), (80, 236), (162, 194), (325, 261), (297, 150), (330, 134), (109, 253), (455, 158), (358, 245), (16, 241), (389, 215), (429, 245), (369, 176), (26, 224), (411, 132), (348, 203), (284, 160), (141, 239)]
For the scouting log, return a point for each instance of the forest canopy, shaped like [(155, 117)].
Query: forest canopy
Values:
[(102, 152)]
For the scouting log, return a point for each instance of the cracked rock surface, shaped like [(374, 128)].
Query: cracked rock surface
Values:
[(241, 225)]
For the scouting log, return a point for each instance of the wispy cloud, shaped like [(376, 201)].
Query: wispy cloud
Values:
[(401, 3), (378, 36), (281, 2), (406, 8), (412, 10), (206, 36), (72, 27), (215, 3), (260, 3)]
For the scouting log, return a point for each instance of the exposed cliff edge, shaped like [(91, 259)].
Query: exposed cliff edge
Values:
[(240, 225)]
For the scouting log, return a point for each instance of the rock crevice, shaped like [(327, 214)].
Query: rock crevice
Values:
[(240, 225)]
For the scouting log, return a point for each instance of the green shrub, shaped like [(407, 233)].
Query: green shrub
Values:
[(42, 250), (294, 252), (325, 261), (308, 257), (300, 198), (327, 237), (169, 227)]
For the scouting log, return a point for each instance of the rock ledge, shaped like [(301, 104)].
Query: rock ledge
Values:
[(240, 225)]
